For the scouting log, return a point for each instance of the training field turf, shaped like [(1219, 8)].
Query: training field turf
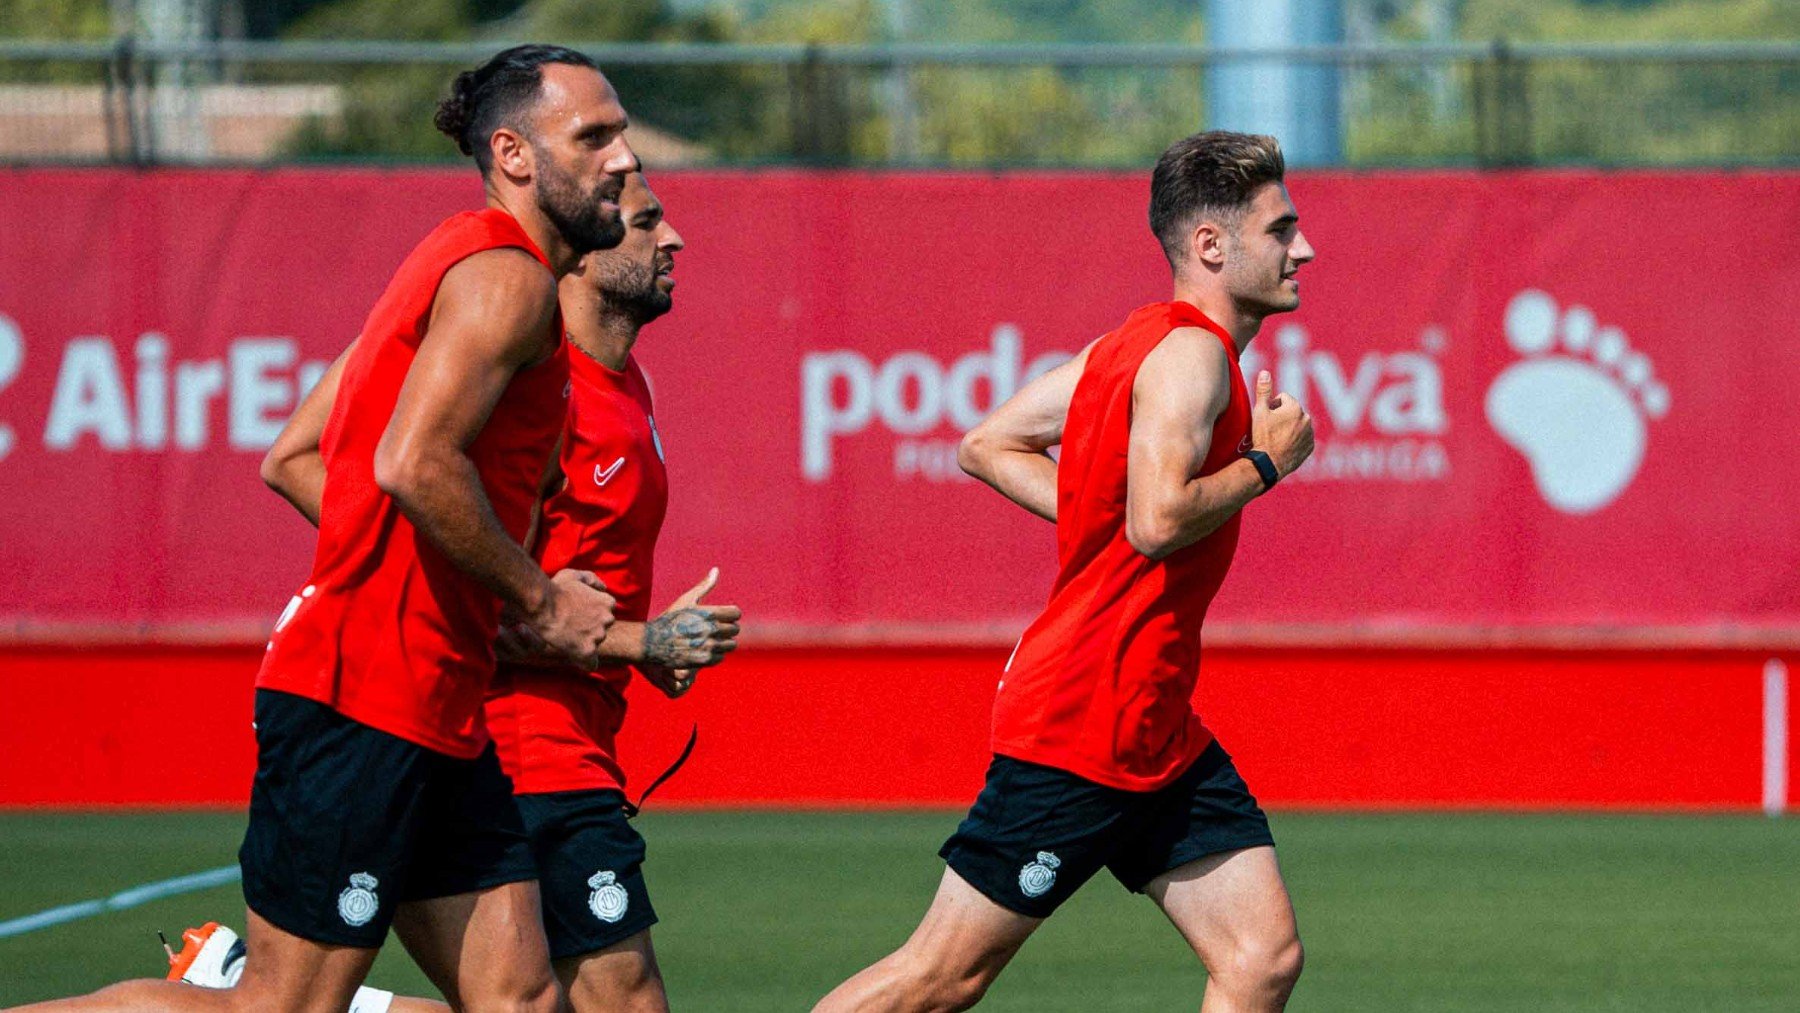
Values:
[(768, 910)]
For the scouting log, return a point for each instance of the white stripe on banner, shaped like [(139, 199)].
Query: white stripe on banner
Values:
[(1775, 737), (120, 901)]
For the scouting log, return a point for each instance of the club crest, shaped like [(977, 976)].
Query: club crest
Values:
[(609, 900), (358, 903), (1036, 878)]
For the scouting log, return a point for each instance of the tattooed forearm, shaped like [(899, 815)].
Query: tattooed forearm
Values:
[(686, 638)]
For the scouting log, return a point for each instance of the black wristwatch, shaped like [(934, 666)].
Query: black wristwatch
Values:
[(1264, 467)]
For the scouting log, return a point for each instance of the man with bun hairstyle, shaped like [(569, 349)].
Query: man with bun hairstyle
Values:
[(555, 725), (1100, 760), (378, 799)]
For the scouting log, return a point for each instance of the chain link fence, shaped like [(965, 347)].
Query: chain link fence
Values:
[(238, 102)]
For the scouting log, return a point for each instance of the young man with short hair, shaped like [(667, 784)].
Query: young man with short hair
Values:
[(1099, 758)]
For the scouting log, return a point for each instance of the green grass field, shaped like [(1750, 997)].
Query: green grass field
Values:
[(768, 910)]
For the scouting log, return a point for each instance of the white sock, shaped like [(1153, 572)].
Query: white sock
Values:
[(370, 1000)]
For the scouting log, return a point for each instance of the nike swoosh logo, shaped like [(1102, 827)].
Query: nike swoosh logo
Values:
[(603, 476)]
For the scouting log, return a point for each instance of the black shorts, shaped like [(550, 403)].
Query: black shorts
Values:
[(1037, 833), (347, 821), (591, 869)]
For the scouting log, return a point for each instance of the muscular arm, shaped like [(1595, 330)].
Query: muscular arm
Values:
[(1181, 389), (293, 466), (1009, 450), (491, 319)]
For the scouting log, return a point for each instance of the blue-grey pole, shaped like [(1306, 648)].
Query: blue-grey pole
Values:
[(1296, 101)]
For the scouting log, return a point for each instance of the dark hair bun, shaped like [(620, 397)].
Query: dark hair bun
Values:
[(455, 113), (496, 94)]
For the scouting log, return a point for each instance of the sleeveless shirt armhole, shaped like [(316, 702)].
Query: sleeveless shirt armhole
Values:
[(1131, 397), (559, 329)]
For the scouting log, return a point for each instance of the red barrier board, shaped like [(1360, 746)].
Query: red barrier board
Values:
[(1545, 400), (1383, 728)]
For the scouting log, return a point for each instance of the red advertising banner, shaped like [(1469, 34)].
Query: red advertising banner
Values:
[(1550, 405)]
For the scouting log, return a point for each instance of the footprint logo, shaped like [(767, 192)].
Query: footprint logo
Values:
[(1576, 404), (12, 356)]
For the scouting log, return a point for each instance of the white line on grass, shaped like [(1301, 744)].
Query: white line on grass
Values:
[(120, 901)]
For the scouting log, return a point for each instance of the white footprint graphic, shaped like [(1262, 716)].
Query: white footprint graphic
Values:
[(12, 356), (1576, 404)]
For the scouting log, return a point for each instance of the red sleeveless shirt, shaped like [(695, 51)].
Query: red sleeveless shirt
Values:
[(387, 631), (554, 727), (1102, 683)]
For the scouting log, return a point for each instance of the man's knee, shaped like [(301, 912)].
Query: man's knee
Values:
[(1264, 967), (628, 988), (515, 993), (1285, 965), (643, 992), (944, 986), (964, 992)]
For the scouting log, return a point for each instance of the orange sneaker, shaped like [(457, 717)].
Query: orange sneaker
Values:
[(212, 956)]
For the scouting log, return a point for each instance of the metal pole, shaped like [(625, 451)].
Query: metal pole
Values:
[(1294, 99), (903, 123)]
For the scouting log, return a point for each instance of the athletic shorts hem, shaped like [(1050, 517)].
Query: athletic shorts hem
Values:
[(347, 821), (1196, 852), (328, 936), (590, 869), (1037, 833), (498, 877), (980, 883), (600, 941)]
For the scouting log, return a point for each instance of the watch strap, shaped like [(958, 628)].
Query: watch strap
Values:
[(1264, 467)]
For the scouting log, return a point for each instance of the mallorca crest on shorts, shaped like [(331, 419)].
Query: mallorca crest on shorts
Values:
[(358, 903), (1036, 878), (609, 900)]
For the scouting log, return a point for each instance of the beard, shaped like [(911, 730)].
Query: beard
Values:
[(583, 223), (1259, 294), (1277, 300), (632, 289)]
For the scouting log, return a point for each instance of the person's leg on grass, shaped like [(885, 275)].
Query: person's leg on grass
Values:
[(622, 977), (955, 954), (484, 950), (1233, 909), (290, 975), (1034, 835), (470, 912), (595, 900)]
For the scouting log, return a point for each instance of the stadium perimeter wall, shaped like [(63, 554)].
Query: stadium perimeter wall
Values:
[(1324, 728), (1542, 557)]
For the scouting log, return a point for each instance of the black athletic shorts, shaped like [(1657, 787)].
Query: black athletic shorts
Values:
[(591, 869), (1037, 833), (347, 821)]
